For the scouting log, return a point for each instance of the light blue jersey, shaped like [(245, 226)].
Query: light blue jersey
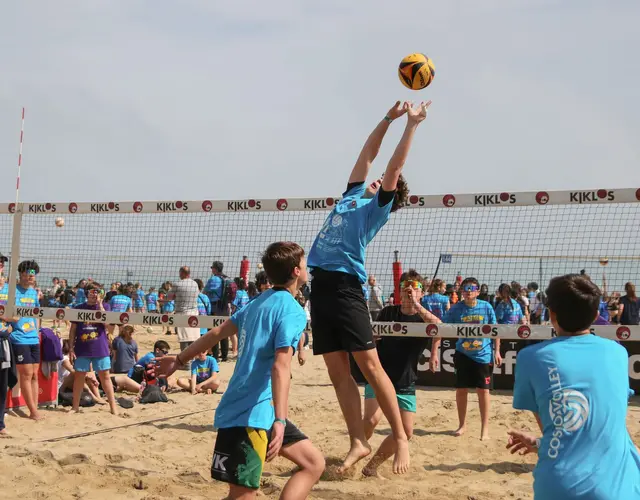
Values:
[(25, 331), (436, 304), (204, 370), (120, 303), (213, 288), (204, 309), (349, 228), (241, 300), (4, 294), (579, 387), (508, 313), (478, 349), (273, 321), (139, 303), (152, 302), (81, 297)]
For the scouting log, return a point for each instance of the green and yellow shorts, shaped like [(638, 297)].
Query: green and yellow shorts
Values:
[(239, 453)]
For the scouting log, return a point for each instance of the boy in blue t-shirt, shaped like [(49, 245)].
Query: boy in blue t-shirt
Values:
[(340, 318), (139, 299), (152, 300), (252, 415), (474, 357), (203, 375), (585, 451)]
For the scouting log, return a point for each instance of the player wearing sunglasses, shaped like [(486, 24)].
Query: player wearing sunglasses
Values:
[(25, 339), (474, 357), (399, 358)]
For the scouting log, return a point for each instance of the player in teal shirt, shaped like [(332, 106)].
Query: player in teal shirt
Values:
[(474, 356), (340, 318), (25, 338), (252, 415), (577, 386)]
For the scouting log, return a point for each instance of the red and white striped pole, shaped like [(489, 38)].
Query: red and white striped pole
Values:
[(19, 160)]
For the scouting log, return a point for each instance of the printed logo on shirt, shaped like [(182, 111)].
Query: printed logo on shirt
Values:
[(569, 410)]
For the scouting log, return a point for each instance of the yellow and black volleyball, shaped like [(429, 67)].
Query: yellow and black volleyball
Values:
[(416, 71)]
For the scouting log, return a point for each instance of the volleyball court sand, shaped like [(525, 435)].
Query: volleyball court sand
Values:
[(171, 459)]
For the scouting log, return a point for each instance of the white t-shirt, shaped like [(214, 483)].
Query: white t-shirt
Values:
[(62, 371)]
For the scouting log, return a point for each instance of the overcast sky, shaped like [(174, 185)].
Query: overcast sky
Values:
[(204, 99)]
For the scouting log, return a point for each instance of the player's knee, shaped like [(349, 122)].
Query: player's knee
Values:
[(317, 464), (408, 431)]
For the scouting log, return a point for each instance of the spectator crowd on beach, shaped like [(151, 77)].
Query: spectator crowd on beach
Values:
[(94, 363)]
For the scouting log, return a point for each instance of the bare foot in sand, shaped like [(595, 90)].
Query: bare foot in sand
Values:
[(36, 416), (209, 392), (372, 471), (401, 458), (484, 436), (461, 430), (358, 451), (4, 434)]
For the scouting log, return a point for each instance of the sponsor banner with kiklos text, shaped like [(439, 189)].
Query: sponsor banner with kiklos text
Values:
[(473, 200)]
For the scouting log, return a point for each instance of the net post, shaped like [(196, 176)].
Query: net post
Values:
[(15, 260), (397, 272)]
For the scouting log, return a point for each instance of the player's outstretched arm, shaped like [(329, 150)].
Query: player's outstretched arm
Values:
[(399, 157), (167, 365), (372, 146)]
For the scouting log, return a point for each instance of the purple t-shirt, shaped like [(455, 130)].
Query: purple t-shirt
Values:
[(91, 338), (601, 321)]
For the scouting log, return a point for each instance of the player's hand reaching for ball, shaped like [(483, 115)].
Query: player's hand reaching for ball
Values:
[(416, 114), (397, 110)]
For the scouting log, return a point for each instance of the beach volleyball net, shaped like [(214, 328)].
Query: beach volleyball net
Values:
[(495, 237)]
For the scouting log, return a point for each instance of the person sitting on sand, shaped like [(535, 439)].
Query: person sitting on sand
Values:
[(203, 375), (124, 350), (399, 358), (160, 349)]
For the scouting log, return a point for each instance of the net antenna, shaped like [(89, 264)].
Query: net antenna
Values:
[(17, 226)]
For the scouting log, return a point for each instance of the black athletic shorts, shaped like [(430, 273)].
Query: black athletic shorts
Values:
[(470, 374), (340, 319), (240, 452), (27, 354)]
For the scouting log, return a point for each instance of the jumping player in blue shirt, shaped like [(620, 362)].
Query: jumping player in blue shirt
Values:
[(339, 315), (252, 415), (585, 451)]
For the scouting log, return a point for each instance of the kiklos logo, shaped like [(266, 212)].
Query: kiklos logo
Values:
[(60, 314), (431, 330), (591, 196), (487, 200), (207, 206), (73, 208), (542, 198), (137, 207), (239, 206), (524, 332), (124, 318), (448, 200), (12, 208), (623, 333), (171, 206), (192, 321), (282, 204)]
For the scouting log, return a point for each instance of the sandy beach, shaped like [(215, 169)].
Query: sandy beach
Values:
[(171, 458)]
